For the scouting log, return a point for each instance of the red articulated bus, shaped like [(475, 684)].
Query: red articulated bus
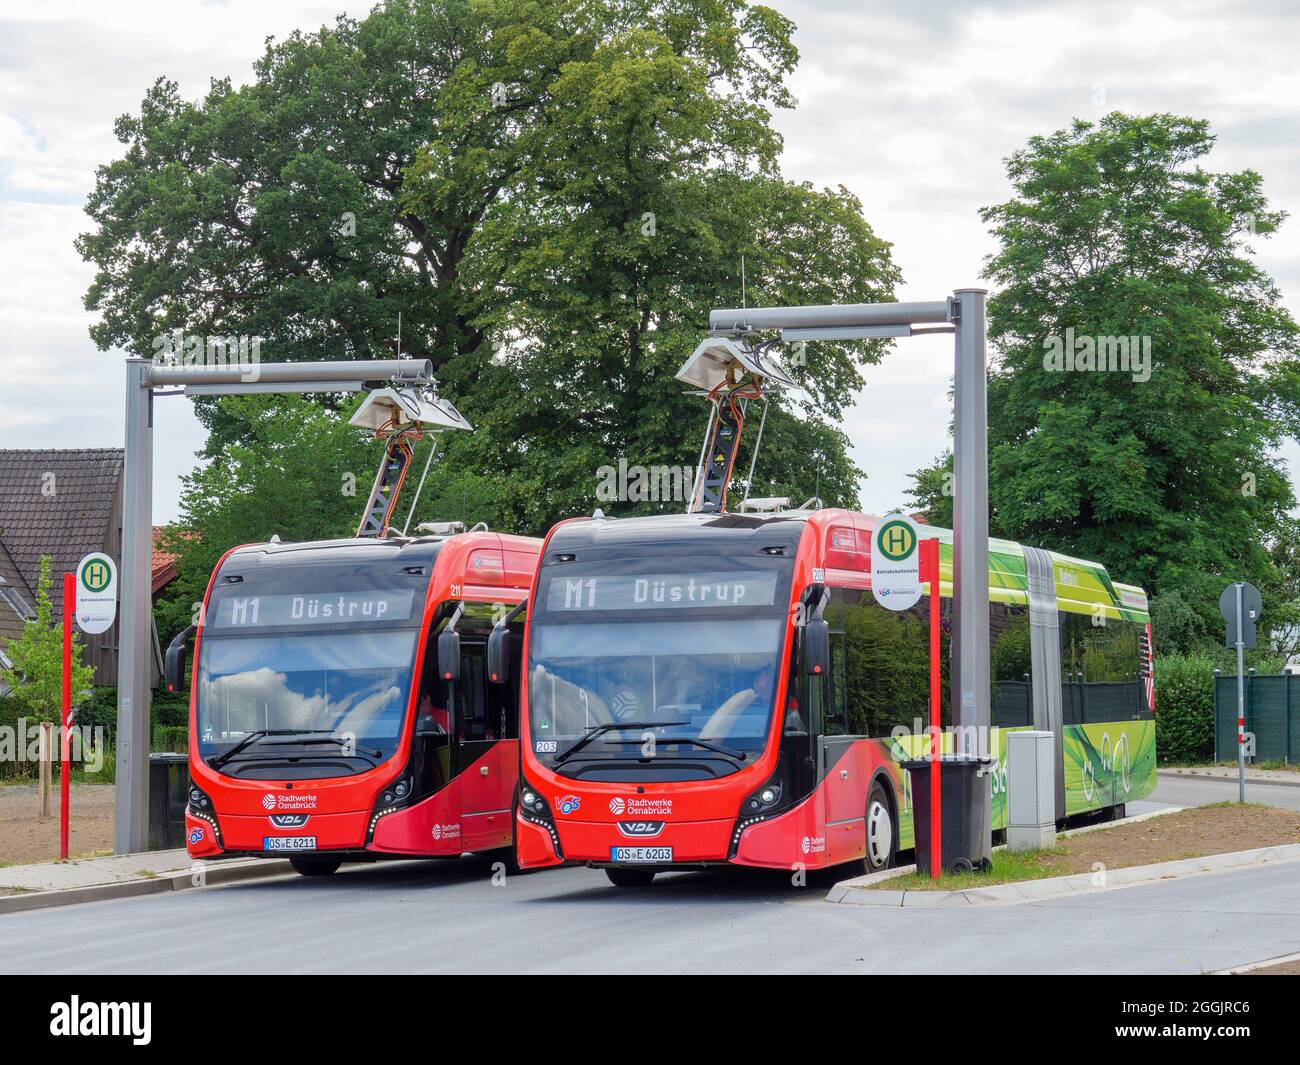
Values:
[(716, 688), (339, 706)]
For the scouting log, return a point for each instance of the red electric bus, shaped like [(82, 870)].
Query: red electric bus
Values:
[(339, 706), (715, 688)]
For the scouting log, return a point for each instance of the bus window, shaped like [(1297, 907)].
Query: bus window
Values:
[(1101, 669), (1009, 665), (887, 665), (835, 715), (473, 722)]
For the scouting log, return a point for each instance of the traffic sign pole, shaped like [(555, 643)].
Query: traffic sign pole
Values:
[(930, 565), (1241, 699), (65, 785)]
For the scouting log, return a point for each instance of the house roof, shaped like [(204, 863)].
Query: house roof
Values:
[(164, 562), (58, 503)]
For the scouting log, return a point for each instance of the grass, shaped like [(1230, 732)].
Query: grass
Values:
[(1007, 868)]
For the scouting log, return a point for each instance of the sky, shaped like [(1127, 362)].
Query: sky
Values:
[(913, 106)]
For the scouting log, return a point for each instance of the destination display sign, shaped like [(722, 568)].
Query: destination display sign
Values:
[(663, 591), (313, 608)]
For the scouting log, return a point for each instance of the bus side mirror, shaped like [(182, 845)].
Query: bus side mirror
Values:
[(449, 655), (498, 654), (817, 647), (174, 666)]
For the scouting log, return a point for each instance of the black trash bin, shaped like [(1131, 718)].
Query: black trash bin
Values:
[(967, 809), (169, 784)]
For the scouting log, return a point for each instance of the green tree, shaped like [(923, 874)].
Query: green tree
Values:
[(1115, 230), (551, 193), (36, 677)]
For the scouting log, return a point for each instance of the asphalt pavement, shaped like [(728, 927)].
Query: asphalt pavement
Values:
[(458, 917)]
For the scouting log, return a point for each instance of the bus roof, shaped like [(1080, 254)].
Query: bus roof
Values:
[(1082, 586), (479, 560)]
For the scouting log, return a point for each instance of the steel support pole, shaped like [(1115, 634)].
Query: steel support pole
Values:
[(132, 788), (1241, 697), (970, 685)]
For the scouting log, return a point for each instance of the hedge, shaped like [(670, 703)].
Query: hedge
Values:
[(1185, 708)]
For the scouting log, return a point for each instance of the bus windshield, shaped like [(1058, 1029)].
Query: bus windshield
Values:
[(353, 685), (706, 680)]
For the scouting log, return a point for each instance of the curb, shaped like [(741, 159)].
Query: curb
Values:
[(856, 892), (1267, 963), (1268, 782), (258, 869)]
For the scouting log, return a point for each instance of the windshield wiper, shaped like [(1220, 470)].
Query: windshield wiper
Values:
[(253, 737), (609, 726), (322, 736), (740, 756)]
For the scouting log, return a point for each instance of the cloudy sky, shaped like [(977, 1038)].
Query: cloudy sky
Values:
[(912, 105)]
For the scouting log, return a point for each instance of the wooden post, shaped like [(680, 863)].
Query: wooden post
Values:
[(45, 753)]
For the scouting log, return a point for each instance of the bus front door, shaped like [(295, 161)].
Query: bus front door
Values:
[(486, 761)]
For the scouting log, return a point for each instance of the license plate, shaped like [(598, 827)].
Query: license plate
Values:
[(641, 855), (289, 843)]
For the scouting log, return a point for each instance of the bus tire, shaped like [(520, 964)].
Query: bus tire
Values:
[(314, 866), (630, 877), (881, 831)]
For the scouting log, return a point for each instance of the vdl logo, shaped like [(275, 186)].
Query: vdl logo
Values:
[(95, 575), (896, 540)]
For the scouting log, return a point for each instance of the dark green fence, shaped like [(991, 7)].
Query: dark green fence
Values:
[(1272, 714)]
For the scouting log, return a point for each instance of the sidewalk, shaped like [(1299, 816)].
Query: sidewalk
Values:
[(28, 887), (1225, 772)]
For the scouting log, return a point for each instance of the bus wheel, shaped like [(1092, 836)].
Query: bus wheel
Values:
[(882, 836), (304, 866), (630, 877)]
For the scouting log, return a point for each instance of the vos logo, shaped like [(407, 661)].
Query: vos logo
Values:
[(569, 803)]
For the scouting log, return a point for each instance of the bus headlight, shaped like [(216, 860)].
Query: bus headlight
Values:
[(758, 806), (199, 806), (536, 811)]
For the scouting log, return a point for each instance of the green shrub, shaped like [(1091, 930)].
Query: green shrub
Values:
[(1185, 707)]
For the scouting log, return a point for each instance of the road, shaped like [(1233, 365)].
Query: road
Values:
[(1196, 791), (448, 917)]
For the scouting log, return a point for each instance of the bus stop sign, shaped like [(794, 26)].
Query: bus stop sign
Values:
[(896, 563), (1252, 604), (96, 593)]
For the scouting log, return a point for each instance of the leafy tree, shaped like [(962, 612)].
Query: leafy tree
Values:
[(551, 193), (36, 677), (1171, 480)]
